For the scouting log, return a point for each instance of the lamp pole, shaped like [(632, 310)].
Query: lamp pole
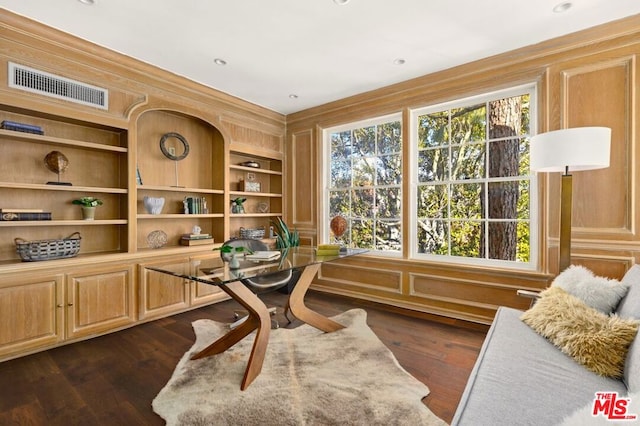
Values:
[(566, 198)]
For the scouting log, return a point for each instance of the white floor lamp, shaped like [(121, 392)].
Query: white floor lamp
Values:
[(570, 150)]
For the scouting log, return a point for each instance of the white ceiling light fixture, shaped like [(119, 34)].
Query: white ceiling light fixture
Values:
[(399, 61), (562, 7), (293, 96), (341, 2), (88, 2), (219, 61)]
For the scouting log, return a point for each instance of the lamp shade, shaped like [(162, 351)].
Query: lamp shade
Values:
[(579, 148)]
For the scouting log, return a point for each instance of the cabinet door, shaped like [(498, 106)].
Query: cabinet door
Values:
[(202, 294), (31, 313), (99, 301), (163, 294)]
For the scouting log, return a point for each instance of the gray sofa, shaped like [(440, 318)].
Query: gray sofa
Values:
[(520, 378)]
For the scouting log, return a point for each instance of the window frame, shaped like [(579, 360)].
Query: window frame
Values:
[(412, 170), (325, 172)]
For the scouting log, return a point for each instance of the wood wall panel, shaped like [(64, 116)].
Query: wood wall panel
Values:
[(363, 277), (599, 95), (302, 169), (447, 288)]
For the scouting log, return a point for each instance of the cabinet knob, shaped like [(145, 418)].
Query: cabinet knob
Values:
[(59, 305), (69, 304)]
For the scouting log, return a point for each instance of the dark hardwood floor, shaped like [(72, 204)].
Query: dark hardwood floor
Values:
[(111, 380)]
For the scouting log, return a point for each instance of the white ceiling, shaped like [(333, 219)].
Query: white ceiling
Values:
[(315, 49)]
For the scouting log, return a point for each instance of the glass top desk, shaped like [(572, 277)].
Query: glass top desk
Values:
[(228, 279)]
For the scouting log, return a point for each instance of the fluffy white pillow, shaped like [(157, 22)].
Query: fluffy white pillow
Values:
[(600, 293)]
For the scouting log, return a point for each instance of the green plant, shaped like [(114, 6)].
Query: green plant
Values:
[(88, 202), (228, 249), (225, 248), (284, 237)]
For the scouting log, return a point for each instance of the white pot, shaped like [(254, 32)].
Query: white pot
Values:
[(153, 205)]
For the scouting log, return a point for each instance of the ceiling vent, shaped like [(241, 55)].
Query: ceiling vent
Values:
[(43, 83)]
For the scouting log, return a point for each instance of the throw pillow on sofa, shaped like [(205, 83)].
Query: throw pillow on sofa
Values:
[(595, 340), (600, 293)]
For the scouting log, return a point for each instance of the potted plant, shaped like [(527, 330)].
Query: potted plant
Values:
[(285, 238), (237, 205), (88, 205), (229, 254)]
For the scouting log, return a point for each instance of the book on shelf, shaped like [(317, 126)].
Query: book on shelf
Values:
[(21, 210), (4, 216), (195, 241), (195, 205), (195, 236), (21, 127)]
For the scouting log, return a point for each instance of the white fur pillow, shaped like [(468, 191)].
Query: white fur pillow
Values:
[(600, 293)]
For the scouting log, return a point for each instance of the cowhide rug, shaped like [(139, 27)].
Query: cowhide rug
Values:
[(347, 377)]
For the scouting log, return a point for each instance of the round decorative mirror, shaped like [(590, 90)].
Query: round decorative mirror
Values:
[(170, 152)]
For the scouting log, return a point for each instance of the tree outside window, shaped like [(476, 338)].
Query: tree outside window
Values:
[(364, 183), (473, 186)]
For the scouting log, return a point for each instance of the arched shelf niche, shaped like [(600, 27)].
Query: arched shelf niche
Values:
[(192, 187)]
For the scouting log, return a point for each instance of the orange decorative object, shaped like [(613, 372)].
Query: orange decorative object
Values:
[(338, 225)]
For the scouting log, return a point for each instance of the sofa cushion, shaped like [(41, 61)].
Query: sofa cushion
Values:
[(521, 378), (601, 293), (629, 307), (595, 340)]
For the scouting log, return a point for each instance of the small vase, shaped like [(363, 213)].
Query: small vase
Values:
[(234, 263), (153, 205), (88, 213), (237, 208)]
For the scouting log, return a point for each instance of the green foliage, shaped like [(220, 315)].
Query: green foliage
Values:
[(230, 249), (88, 202), (484, 142), (284, 237), (366, 185)]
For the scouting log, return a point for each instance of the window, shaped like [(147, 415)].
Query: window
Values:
[(363, 180), (472, 193)]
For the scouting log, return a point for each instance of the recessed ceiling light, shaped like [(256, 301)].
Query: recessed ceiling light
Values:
[(341, 2), (88, 2), (219, 61), (562, 7), (399, 61), (293, 96)]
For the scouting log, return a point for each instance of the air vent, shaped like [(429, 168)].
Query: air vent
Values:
[(32, 80)]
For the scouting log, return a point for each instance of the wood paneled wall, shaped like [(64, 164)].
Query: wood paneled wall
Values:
[(587, 78)]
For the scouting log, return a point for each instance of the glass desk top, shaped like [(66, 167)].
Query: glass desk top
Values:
[(211, 271), (235, 282)]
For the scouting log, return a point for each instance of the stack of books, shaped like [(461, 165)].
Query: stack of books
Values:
[(21, 127), (24, 214), (196, 239), (195, 205), (328, 250)]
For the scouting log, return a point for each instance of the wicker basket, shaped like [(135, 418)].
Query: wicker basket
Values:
[(31, 251), (255, 234)]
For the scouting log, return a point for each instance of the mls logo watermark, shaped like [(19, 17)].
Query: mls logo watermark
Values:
[(612, 407)]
